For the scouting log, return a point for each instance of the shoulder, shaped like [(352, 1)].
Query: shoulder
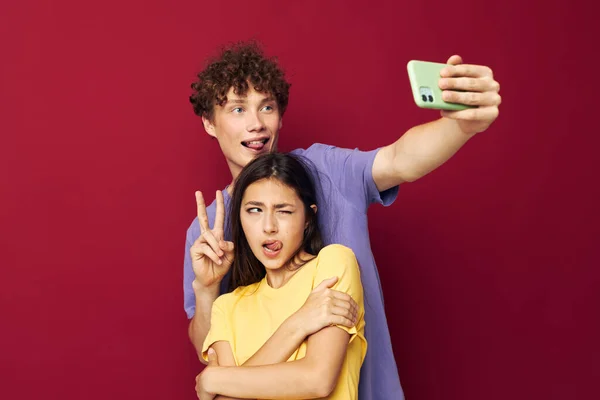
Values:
[(313, 150), (319, 154), (340, 261), (337, 257), (336, 249), (338, 159)]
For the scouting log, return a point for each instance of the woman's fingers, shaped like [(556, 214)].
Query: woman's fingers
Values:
[(202, 216), (341, 320), (213, 242), (220, 213), (344, 309), (207, 251), (345, 297)]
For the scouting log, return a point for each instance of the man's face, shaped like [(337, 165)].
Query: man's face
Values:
[(245, 127)]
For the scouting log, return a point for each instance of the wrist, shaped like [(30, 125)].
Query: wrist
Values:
[(294, 327), (456, 125), (211, 379), (205, 292)]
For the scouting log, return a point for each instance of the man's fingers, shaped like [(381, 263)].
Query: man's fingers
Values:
[(466, 84), (472, 98), (327, 283), (213, 242), (454, 60), (469, 84), (473, 114), (220, 212), (202, 217), (212, 358), (467, 70)]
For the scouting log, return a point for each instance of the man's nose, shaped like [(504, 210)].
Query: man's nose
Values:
[(255, 122)]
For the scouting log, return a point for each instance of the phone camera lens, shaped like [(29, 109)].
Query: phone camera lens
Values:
[(424, 98), (431, 98)]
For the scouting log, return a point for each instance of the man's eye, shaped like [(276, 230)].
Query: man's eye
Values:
[(285, 212), (268, 108), (237, 110)]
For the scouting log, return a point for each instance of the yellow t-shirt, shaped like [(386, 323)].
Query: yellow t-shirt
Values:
[(248, 316)]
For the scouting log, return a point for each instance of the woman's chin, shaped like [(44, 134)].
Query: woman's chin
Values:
[(272, 265)]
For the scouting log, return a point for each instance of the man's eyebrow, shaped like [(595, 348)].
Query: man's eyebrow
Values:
[(241, 100)]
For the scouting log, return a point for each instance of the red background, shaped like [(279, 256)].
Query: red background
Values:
[(488, 264)]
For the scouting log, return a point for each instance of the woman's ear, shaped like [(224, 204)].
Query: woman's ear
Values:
[(314, 208)]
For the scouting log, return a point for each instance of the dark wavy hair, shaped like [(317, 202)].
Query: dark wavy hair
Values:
[(291, 171), (237, 65)]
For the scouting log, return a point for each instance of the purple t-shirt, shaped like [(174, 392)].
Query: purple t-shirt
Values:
[(345, 189)]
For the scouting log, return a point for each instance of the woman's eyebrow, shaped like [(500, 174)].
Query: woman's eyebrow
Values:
[(261, 204)]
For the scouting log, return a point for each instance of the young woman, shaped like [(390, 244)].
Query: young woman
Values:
[(278, 259)]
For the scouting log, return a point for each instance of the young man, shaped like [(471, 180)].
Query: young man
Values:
[(241, 98)]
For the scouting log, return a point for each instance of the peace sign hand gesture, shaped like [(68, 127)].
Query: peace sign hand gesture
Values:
[(212, 256)]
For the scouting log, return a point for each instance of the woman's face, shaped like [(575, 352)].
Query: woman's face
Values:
[(273, 220)]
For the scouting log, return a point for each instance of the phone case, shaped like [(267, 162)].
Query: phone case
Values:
[(424, 77)]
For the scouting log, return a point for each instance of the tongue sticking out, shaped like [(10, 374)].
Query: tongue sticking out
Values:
[(255, 145), (274, 246)]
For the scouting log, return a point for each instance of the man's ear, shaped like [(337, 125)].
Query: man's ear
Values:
[(280, 122), (208, 126)]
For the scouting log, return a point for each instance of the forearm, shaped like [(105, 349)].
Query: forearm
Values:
[(420, 150), (280, 346), (299, 379), (200, 322)]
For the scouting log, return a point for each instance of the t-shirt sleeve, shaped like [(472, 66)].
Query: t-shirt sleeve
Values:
[(219, 326), (340, 261), (352, 172)]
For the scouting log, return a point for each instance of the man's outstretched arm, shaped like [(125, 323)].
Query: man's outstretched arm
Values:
[(425, 147)]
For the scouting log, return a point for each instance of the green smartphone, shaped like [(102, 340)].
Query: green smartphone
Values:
[(424, 77)]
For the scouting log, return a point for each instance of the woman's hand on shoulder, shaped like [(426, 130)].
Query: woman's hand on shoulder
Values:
[(326, 307)]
